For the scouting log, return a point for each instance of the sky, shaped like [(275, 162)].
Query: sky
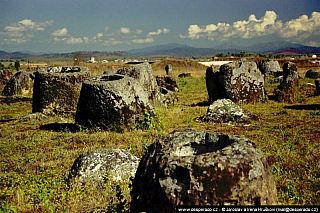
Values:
[(60, 26)]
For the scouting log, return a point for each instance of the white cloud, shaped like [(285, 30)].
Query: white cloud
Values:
[(141, 41), (22, 31), (195, 32), (158, 32), (166, 30), (72, 40), (125, 30), (98, 36), (300, 28), (86, 39), (15, 40), (27, 24), (60, 32)]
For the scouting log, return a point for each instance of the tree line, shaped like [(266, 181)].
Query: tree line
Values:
[(16, 66)]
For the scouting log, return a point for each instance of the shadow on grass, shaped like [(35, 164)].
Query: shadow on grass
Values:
[(14, 99), (61, 127), (7, 120), (304, 107), (202, 103)]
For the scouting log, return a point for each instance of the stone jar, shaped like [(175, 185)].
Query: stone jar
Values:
[(113, 102), (189, 167), (57, 89)]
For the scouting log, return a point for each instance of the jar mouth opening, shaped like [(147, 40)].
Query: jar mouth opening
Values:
[(111, 77)]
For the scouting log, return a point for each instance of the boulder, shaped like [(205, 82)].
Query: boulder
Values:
[(184, 75), (287, 91), (312, 73), (269, 67), (241, 81), (20, 84), (168, 69), (5, 76), (317, 83), (224, 111), (113, 102), (189, 168), (167, 82), (96, 167), (57, 89)]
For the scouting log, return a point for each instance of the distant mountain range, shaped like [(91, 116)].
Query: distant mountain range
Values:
[(179, 50), (175, 50)]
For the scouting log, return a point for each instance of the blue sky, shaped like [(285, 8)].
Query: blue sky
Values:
[(119, 25)]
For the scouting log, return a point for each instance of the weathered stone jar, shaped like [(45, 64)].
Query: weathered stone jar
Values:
[(20, 84), (189, 167), (57, 89), (113, 102), (241, 81), (288, 89)]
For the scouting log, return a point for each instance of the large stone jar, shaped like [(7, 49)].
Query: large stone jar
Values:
[(57, 89), (113, 102), (189, 167)]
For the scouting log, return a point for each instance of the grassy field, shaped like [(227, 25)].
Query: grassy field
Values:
[(35, 160)]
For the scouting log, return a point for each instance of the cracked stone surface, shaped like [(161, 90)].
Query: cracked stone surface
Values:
[(101, 165), (189, 167)]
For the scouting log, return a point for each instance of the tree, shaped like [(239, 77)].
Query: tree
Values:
[(77, 58), (2, 66), (17, 65), (11, 67)]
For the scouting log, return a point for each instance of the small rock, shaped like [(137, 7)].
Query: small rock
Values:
[(184, 75), (94, 167), (224, 110), (36, 117)]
